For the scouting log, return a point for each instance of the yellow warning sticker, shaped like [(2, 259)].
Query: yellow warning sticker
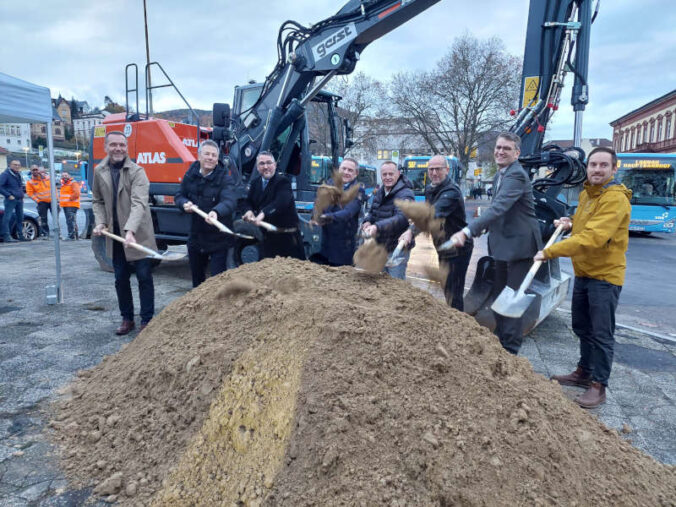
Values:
[(530, 91), (100, 131), (171, 124)]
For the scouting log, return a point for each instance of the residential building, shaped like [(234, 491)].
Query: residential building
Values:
[(648, 129), (39, 130), (15, 136), (64, 110), (3, 159), (83, 125)]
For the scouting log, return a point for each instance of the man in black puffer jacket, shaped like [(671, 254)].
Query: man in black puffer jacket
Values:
[(207, 186), (446, 197), (385, 221)]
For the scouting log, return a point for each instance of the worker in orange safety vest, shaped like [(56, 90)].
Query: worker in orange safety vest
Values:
[(37, 188), (69, 200)]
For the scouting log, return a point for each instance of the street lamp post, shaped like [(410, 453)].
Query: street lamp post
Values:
[(25, 150)]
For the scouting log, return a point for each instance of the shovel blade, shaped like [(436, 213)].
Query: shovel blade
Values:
[(511, 303)]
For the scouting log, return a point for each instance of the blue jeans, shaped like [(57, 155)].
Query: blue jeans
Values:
[(12, 207), (71, 214), (399, 271), (146, 289), (593, 316)]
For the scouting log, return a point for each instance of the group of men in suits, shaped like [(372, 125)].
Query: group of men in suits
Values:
[(597, 247)]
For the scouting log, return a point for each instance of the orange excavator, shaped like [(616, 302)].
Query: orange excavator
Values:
[(264, 116)]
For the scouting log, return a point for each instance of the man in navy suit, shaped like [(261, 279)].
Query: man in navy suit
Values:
[(513, 231), (270, 199)]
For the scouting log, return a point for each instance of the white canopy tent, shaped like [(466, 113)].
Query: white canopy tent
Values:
[(24, 102)]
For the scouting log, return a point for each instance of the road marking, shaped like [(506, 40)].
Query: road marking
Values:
[(632, 328)]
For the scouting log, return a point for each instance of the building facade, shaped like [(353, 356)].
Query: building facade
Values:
[(648, 129), (83, 125), (15, 136)]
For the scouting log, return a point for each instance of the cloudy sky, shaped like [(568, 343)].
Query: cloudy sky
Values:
[(79, 48)]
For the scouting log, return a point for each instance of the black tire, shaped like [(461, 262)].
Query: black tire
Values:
[(30, 229), (247, 252)]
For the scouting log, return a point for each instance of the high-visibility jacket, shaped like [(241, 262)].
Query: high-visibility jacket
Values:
[(38, 190), (69, 196)]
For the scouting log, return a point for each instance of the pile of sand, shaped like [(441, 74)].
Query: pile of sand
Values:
[(285, 382), (332, 195)]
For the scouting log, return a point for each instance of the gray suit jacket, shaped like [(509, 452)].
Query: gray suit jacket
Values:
[(513, 229)]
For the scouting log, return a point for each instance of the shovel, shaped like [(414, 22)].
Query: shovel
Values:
[(274, 228), (513, 304), (219, 225), (448, 245), (396, 258), (166, 256)]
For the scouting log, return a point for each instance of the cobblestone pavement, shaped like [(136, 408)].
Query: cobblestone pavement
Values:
[(42, 346)]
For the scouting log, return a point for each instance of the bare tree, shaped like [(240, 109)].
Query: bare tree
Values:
[(363, 99), (467, 95)]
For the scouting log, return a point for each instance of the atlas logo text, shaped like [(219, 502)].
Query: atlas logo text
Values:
[(148, 157)]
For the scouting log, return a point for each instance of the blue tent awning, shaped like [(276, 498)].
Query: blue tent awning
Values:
[(23, 102)]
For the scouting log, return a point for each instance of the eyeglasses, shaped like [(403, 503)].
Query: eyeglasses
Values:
[(435, 169)]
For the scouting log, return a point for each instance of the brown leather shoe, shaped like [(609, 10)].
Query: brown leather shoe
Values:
[(578, 378), (125, 328), (592, 397)]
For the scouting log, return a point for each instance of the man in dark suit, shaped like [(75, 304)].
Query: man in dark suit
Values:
[(270, 199), (513, 230)]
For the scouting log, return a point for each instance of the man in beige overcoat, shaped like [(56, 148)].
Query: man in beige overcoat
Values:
[(120, 204)]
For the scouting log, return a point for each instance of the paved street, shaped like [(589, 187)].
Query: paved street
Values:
[(43, 346), (647, 300)]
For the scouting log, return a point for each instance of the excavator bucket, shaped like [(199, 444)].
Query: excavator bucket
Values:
[(481, 288)]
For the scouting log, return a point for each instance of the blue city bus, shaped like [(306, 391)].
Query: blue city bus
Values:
[(651, 178), (415, 169), (368, 176)]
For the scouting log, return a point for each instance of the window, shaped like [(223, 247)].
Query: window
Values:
[(659, 130), (631, 143), (652, 132), (667, 128), (18, 141)]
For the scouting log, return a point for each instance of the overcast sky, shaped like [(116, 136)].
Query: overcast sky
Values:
[(79, 48)]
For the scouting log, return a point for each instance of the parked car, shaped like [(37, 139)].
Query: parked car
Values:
[(30, 223)]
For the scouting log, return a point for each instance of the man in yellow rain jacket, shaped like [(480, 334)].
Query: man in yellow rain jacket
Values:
[(69, 200), (597, 247), (37, 188)]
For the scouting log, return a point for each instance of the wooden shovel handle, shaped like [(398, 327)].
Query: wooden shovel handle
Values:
[(536, 265), (138, 246)]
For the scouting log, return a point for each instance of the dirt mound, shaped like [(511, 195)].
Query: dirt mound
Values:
[(370, 257), (323, 386), (330, 195), (422, 215)]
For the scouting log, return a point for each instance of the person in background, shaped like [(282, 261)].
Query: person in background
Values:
[(11, 187), (37, 188), (69, 200)]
